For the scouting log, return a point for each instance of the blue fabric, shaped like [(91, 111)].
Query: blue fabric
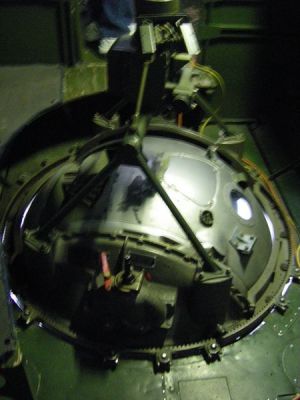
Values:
[(113, 16)]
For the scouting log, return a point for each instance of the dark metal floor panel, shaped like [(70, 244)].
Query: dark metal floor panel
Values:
[(26, 91), (214, 389), (264, 365)]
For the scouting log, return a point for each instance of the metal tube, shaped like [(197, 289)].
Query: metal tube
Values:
[(174, 210), (206, 107), (67, 207), (140, 97)]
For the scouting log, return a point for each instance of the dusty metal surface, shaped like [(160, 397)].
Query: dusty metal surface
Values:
[(29, 90), (26, 91), (84, 79), (264, 365)]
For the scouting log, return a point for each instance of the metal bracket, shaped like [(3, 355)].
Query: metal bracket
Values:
[(212, 351), (103, 122), (110, 360), (163, 361), (243, 242), (296, 275), (281, 305), (31, 240), (246, 307), (28, 317)]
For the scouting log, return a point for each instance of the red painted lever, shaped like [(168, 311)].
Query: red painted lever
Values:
[(106, 271)]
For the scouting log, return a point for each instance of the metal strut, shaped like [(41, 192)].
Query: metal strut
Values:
[(69, 205), (130, 152), (142, 161)]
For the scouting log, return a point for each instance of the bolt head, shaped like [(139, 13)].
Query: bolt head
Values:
[(207, 218)]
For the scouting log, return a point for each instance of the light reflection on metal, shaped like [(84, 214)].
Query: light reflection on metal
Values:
[(241, 205), (286, 286), (3, 236), (270, 226), (257, 328), (16, 300), (26, 211), (243, 209)]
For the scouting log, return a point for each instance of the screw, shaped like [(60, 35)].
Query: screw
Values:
[(128, 276), (282, 300), (21, 179), (199, 277), (206, 218), (284, 266)]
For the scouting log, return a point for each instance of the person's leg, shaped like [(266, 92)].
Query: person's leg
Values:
[(116, 17)]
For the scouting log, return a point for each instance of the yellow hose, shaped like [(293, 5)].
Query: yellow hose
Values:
[(291, 225)]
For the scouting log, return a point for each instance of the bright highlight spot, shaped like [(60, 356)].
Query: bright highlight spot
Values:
[(241, 205)]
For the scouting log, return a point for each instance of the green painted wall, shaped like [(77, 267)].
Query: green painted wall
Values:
[(233, 35), (38, 32)]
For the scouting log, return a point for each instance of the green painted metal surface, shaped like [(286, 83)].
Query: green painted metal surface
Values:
[(250, 368), (29, 33), (244, 13), (234, 42), (241, 63), (84, 79), (38, 32)]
